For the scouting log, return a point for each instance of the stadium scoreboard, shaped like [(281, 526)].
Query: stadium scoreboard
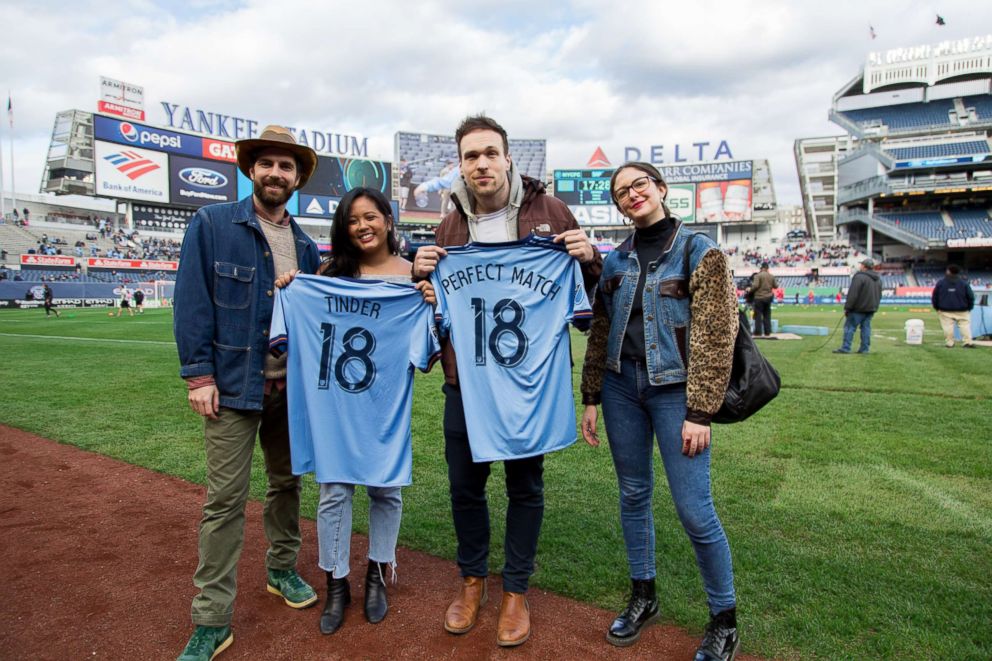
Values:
[(583, 187)]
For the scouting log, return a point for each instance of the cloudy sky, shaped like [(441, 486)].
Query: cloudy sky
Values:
[(582, 74)]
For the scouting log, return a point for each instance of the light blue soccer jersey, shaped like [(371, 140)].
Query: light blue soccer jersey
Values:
[(506, 307), (352, 346)]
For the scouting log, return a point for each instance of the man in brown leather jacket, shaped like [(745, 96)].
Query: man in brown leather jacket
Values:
[(495, 203)]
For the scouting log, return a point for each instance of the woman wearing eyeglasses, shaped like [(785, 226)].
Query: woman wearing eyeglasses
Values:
[(658, 360)]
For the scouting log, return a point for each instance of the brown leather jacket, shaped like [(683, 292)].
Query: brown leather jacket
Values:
[(540, 214)]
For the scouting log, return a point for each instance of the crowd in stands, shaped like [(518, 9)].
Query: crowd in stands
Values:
[(127, 245), (797, 254)]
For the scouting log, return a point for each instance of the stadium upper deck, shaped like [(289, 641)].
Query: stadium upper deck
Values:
[(916, 178)]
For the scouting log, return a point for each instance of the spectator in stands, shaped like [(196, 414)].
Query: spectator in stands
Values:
[(863, 298), (223, 311), (762, 288), (953, 299)]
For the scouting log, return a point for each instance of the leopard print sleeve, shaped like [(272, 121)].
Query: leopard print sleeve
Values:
[(595, 361), (712, 335)]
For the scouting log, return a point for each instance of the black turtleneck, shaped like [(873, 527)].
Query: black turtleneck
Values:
[(649, 243)]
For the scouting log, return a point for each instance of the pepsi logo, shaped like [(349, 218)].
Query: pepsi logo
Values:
[(129, 132), (203, 177)]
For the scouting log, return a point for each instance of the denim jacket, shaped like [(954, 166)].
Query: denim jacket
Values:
[(665, 301), (223, 299)]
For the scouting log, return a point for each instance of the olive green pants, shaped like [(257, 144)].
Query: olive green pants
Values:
[(229, 443)]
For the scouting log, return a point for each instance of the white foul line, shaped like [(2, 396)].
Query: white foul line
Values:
[(88, 339)]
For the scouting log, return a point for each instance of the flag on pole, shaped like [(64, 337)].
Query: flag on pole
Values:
[(871, 31), (940, 20), (10, 111)]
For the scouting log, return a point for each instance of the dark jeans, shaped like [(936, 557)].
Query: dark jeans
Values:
[(854, 321), (467, 482), (762, 317)]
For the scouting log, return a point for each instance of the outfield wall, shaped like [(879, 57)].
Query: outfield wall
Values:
[(14, 294)]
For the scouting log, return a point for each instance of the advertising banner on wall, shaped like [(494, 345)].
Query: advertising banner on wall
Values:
[(131, 173), (428, 164), (47, 260), (120, 98), (682, 201), (138, 264), (160, 219), (697, 192), (196, 182), (140, 135), (336, 176), (723, 189)]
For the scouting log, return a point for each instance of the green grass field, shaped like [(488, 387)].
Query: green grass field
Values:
[(858, 504)]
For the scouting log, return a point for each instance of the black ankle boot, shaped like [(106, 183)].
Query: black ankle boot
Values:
[(375, 592), (720, 642), (641, 610), (338, 596)]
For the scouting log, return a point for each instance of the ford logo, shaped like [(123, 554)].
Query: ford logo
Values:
[(203, 177)]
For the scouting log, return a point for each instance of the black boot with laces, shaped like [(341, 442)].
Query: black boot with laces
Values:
[(641, 610), (720, 642)]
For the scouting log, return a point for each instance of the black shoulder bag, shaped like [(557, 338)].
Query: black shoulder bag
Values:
[(753, 380)]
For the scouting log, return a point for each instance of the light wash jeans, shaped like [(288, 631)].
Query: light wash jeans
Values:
[(334, 525), (634, 412), (851, 322)]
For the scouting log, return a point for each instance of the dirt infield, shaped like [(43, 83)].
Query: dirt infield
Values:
[(100, 556)]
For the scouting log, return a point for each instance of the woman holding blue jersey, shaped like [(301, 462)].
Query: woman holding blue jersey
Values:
[(365, 247), (665, 320)]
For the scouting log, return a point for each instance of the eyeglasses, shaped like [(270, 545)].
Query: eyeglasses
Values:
[(639, 185)]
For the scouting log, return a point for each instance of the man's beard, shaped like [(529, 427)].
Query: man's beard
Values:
[(269, 198)]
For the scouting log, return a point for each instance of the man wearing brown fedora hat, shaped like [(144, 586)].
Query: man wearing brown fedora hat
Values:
[(230, 257)]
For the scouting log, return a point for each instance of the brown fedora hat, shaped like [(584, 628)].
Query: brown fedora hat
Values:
[(280, 138)]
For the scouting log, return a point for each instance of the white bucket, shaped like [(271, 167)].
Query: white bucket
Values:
[(914, 331)]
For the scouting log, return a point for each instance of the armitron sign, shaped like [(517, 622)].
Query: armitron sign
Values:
[(121, 99)]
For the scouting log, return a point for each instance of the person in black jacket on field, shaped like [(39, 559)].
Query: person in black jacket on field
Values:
[(953, 299), (863, 297)]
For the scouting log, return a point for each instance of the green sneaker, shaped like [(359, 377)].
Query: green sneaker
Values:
[(206, 643), (294, 590)]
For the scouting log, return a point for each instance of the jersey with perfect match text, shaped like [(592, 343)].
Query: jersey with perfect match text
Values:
[(506, 308), (352, 347)]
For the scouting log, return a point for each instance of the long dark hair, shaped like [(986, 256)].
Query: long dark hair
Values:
[(647, 169), (345, 257)]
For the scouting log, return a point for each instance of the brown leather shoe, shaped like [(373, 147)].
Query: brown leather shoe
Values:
[(464, 610), (513, 626)]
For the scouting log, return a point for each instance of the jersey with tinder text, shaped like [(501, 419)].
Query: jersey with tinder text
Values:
[(506, 308), (352, 346)]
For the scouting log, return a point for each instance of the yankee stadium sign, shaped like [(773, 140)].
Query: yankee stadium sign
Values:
[(239, 128)]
